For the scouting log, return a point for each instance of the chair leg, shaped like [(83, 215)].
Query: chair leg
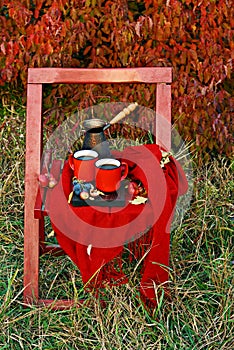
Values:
[(32, 169), (31, 261)]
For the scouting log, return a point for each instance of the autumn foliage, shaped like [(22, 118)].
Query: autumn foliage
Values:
[(192, 36)]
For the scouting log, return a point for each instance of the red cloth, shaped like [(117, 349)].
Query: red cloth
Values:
[(108, 229)]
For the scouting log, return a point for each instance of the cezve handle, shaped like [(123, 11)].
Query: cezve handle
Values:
[(121, 115)]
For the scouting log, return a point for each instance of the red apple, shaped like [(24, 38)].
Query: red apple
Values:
[(84, 195), (52, 182), (43, 180), (133, 188)]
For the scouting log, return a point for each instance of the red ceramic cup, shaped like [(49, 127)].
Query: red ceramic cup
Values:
[(109, 173), (82, 163)]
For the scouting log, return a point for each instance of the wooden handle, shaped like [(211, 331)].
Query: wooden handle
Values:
[(123, 113)]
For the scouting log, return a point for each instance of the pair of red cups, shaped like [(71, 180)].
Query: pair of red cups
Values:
[(106, 172)]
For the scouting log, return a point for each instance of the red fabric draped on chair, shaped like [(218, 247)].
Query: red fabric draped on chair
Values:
[(144, 228)]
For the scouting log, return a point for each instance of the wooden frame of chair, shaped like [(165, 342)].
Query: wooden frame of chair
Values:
[(34, 227)]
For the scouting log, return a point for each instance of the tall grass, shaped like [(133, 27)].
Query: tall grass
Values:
[(199, 314)]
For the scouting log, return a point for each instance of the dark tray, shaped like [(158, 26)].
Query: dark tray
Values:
[(99, 201)]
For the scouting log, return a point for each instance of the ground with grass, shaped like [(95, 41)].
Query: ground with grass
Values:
[(199, 314)]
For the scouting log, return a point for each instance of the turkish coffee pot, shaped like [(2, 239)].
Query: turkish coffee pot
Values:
[(94, 132)]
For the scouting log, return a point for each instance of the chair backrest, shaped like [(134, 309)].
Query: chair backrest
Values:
[(161, 76)]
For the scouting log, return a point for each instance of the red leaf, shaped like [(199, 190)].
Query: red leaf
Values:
[(36, 13), (15, 49), (48, 49), (3, 49), (86, 50)]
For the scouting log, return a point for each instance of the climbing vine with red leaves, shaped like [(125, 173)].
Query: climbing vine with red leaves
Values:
[(195, 37)]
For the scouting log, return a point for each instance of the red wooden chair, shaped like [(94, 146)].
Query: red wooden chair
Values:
[(34, 219)]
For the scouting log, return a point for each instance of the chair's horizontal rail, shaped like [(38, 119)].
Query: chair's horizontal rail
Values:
[(63, 304), (101, 76), (53, 249), (59, 304)]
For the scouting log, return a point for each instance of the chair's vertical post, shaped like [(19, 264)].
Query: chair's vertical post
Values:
[(163, 138), (32, 169), (163, 116)]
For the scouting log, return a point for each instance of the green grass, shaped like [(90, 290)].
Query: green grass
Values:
[(200, 312)]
